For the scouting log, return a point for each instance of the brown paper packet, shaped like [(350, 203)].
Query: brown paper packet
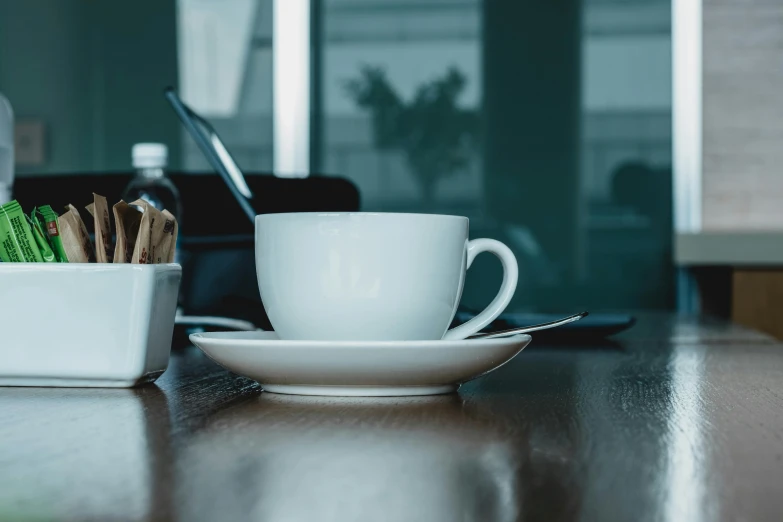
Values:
[(99, 210), (74, 236), (158, 240), (127, 219), (163, 252), (173, 241), (150, 233)]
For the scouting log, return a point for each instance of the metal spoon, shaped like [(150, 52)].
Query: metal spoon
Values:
[(527, 329)]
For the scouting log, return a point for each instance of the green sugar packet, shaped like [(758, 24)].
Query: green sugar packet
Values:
[(47, 220), (17, 244), (40, 240)]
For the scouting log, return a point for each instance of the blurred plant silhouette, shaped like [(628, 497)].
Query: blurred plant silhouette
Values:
[(436, 135)]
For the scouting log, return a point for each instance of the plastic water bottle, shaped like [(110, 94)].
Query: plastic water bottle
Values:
[(6, 150), (151, 182), (153, 185)]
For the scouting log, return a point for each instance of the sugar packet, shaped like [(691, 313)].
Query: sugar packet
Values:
[(41, 240), (169, 243), (75, 238), (127, 219), (17, 244), (46, 218), (99, 210), (162, 239), (150, 233)]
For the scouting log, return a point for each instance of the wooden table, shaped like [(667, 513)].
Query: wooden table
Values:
[(680, 420)]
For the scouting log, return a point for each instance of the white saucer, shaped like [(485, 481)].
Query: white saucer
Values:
[(357, 368)]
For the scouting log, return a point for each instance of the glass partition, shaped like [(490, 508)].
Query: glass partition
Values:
[(548, 125)]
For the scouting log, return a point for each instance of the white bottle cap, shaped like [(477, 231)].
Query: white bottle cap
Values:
[(149, 155)]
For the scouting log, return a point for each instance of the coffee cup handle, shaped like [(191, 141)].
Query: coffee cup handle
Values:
[(506, 292)]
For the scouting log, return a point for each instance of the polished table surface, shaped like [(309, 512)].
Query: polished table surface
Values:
[(679, 419)]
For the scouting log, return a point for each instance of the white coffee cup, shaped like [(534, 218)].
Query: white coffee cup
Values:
[(371, 276)]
